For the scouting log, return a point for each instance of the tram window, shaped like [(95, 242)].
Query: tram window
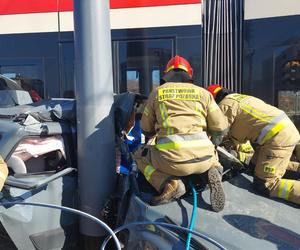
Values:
[(155, 78), (148, 57), (133, 81), (289, 101)]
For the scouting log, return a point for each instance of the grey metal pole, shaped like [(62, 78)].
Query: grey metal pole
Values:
[(94, 94)]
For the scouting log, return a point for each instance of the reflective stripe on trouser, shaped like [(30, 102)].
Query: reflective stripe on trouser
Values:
[(155, 177), (157, 169), (3, 172), (288, 190), (272, 162), (245, 157)]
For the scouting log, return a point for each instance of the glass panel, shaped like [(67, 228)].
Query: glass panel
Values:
[(155, 78), (287, 101), (144, 57), (133, 81)]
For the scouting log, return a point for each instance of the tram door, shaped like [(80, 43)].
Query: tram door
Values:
[(139, 64)]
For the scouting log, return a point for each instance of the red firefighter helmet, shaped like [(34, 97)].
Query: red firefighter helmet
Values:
[(214, 89), (178, 62)]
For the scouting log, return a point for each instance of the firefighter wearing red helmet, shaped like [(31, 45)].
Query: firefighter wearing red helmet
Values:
[(273, 136), (180, 115)]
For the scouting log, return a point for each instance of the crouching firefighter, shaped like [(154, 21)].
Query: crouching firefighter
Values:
[(178, 115), (273, 136)]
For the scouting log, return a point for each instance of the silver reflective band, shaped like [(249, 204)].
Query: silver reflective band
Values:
[(268, 127), (178, 138)]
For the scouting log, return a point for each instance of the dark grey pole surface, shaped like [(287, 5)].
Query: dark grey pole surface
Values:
[(94, 94)]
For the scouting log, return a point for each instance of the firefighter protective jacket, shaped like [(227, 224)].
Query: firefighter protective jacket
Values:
[(252, 119), (180, 114), (3, 172)]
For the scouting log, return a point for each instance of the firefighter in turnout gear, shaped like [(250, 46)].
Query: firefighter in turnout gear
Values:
[(273, 136), (3, 172), (179, 116)]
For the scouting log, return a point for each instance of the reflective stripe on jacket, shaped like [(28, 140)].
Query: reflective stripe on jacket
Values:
[(183, 141), (178, 113), (181, 108), (252, 119)]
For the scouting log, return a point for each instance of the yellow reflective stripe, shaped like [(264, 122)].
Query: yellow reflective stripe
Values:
[(146, 111), (148, 171), (246, 147), (183, 144), (285, 188), (242, 156), (213, 107), (273, 131), (256, 114), (289, 187), (164, 114), (165, 119), (249, 109)]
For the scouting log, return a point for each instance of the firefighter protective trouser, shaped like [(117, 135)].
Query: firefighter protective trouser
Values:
[(159, 169), (272, 161)]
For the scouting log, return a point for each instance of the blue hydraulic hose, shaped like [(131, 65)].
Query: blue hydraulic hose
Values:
[(192, 221)]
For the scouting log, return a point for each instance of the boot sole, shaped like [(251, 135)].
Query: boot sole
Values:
[(217, 195)]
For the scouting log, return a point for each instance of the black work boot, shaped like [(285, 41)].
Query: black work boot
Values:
[(217, 195), (173, 190)]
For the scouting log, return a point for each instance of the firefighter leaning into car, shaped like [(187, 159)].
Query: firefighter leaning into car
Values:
[(178, 115), (272, 134)]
